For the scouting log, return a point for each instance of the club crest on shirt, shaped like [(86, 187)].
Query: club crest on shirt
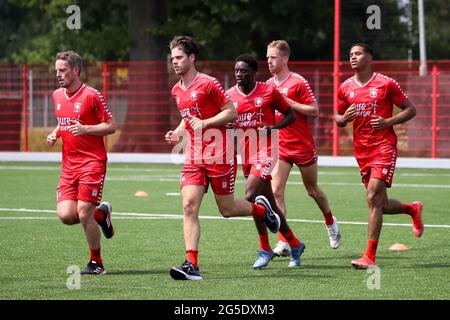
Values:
[(58, 106), (77, 106), (94, 192), (224, 184), (258, 102), (385, 171), (373, 93), (194, 95), (352, 94)]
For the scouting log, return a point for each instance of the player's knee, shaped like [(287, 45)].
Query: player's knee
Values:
[(250, 196), (373, 198), (68, 218), (226, 212), (189, 208)]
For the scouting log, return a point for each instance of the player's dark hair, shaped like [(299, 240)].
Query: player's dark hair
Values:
[(249, 60), (365, 46), (185, 43), (72, 58)]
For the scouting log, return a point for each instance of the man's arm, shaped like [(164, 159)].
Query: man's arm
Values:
[(408, 112), (173, 136), (227, 114), (348, 116), (309, 110), (289, 117), (101, 129), (52, 137)]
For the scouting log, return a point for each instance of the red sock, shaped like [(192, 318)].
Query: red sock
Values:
[(409, 209), (328, 218), (95, 255), (99, 215), (291, 239), (264, 242), (191, 256), (258, 210), (371, 250), (281, 237)]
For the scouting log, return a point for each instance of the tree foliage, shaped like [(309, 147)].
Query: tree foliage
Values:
[(36, 30), (33, 30)]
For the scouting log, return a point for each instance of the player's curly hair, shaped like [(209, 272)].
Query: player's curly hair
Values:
[(249, 60), (72, 58), (185, 43)]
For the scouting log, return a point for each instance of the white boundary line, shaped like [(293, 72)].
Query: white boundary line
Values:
[(168, 158), (139, 215)]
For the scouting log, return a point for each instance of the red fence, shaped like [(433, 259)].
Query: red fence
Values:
[(138, 94)]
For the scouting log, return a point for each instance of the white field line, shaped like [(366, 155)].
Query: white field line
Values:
[(140, 215)]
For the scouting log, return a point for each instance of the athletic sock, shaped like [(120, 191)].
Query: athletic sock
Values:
[(291, 239), (409, 209), (328, 218), (371, 250), (191, 256), (95, 255), (99, 215), (258, 210), (264, 242), (281, 237)]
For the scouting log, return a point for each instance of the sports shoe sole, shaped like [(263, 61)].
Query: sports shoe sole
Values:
[(266, 204), (178, 274), (419, 205), (108, 217)]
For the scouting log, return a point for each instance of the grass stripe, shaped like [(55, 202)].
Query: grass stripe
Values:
[(131, 215)]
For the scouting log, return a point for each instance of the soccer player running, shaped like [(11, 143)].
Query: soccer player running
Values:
[(296, 141), (83, 119), (367, 100), (256, 103), (209, 158)]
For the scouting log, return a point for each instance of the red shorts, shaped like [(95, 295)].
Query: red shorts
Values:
[(220, 176), (380, 165), (300, 159), (261, 168), (84, 186)]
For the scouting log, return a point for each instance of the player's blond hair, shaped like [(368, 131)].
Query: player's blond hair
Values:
[(281, 45)]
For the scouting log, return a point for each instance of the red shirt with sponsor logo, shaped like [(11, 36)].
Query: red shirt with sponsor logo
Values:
[(297, 135), (256, 109), (376, 97), (203, 99), (87, 105)]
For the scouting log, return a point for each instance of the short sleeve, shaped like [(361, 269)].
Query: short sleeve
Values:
[(342, 103), (304, 92), (217, 94), (101, 110), (395, 93)]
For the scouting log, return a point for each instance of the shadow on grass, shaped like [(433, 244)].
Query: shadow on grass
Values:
[(137, 272), (273, 274)]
